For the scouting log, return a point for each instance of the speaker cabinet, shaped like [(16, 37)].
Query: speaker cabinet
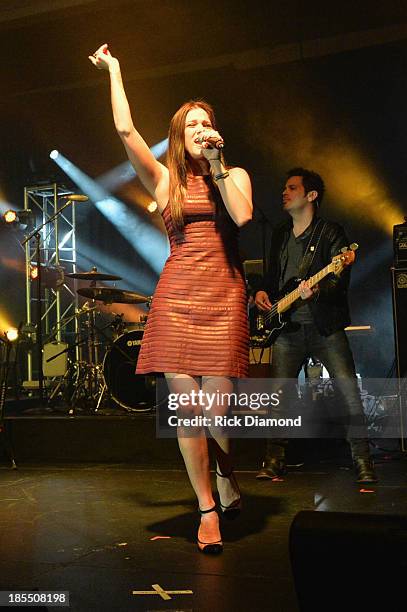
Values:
[(399, 286), (343, 561), (399, 291)]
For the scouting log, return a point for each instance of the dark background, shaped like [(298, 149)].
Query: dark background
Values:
[(293, 83)]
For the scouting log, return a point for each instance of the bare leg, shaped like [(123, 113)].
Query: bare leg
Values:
[(193, 444), (226, 482), (194, 449)]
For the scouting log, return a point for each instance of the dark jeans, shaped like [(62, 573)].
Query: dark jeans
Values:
[(292, 348)]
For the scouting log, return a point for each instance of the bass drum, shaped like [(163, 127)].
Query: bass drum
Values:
[(129, 390)]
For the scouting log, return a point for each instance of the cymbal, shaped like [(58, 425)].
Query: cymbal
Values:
[(93, 275), (111, 295)]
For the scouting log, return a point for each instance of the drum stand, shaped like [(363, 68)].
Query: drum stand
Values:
[(118, 326), (89, 382), (85, 374), (63, 384), (101, 396), (88, 376)]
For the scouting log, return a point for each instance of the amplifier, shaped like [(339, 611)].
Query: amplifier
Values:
[(400, 244), (59, 365), (399, 287), (399, 292)]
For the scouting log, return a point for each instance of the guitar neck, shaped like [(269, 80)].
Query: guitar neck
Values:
[(289, 299)]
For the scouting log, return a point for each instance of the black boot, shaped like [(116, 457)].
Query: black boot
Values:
[(362, 461), (271, 468), (274, 463), (365, 473)]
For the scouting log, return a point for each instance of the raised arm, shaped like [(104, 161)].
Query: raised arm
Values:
[(152, 174)]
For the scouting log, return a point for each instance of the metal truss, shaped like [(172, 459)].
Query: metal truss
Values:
[(58, 257)]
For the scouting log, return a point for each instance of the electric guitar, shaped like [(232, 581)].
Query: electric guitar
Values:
[(270, 323)]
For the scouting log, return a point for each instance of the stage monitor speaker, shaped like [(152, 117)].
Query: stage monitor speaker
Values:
[(343, 561), (399, 286)]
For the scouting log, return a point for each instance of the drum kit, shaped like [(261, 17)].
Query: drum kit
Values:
[(97, 377)]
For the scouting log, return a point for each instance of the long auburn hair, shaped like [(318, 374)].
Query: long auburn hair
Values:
[(177, 160)]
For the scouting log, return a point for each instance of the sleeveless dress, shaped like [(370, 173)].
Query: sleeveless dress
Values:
[(197, 323)]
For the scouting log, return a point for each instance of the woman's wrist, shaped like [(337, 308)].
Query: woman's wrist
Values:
[(217, 166), (114, 67)]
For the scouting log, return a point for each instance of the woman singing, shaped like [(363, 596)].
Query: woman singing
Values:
[(196, 333)]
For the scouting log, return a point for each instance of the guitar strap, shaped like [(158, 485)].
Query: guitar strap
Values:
[(312, 247)]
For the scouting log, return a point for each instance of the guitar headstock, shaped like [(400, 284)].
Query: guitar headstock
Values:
[(345, 258)]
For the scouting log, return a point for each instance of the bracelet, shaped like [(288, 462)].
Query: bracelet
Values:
[(222, 175)]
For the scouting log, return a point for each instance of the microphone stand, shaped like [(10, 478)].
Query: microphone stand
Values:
[(36, 233)]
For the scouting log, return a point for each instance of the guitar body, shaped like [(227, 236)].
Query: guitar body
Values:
[(271, 323), (273, 330), (271, 326)]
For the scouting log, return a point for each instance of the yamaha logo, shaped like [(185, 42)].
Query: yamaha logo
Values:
[(133, 342), (402, 281)]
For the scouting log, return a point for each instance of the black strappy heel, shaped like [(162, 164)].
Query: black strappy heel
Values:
[(210, 548), (233, 510)]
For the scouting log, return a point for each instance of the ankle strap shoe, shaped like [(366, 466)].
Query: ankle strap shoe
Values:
[(230, 511), (209, 539)]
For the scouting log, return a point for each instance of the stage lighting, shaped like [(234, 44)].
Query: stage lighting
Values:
[(20, 218), (54, 154), (34, 272), (10, 216), (152, 207), (118, 176), (148, 241), (11, 334)]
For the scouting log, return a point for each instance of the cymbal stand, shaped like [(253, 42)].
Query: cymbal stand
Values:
[(89, 379), (117, 325), (67, 382), (95, 374)]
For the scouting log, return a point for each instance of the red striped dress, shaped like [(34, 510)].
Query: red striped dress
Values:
[(197, 323)]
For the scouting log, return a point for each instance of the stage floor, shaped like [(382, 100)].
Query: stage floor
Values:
[(103, 531)]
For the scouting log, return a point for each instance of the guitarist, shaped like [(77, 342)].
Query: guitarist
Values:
[(300, 248)]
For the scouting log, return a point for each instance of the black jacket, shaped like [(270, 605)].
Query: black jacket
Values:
[(330, 309)]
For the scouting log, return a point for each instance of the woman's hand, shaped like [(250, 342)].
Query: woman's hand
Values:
[(208, 150), (103, 59)]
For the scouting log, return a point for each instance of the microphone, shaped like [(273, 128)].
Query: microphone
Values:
[(215, 141), (76, 197)]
